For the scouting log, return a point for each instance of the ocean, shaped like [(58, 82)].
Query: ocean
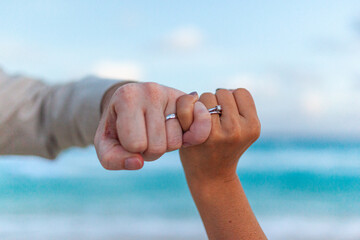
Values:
[(298, 189)]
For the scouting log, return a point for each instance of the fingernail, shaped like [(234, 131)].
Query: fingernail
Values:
[(132, 163), (194, 93)]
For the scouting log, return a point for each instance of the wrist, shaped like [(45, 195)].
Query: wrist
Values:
[(205, 168), (197, 183), (206, 173), (204, 191)]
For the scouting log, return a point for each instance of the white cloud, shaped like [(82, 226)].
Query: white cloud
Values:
[(118, 70), (313, 104), (185, 38)]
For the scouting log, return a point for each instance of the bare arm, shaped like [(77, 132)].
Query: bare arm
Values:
[(225, 210), (210, 168)]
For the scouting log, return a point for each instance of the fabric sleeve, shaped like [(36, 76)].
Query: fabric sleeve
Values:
[(39, 119)]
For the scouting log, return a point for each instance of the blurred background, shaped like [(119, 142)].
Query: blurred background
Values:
[(300, 60)]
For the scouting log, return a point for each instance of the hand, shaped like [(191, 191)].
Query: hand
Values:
[(231, 134), (133, 128), (210, 167)]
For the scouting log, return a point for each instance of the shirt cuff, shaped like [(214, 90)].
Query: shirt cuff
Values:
[(92, 89)]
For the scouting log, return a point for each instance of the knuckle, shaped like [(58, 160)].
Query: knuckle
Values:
[(235, 136), (222, 91), (137, 146), (234, 122), (153, 92), (152, 88), (127, 92), (158, 149), (243, 92), (206, 98), (233, 125), (106, 160), (172, 94), (206, 95), (151, 85), (255, 130)]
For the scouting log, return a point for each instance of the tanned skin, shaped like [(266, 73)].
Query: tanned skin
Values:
[(210, 168)]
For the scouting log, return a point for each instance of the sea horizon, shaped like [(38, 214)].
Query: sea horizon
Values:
[(298, 189)]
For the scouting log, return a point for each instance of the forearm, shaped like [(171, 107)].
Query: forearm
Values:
[(39, 119), (72, 112), (225, 210)]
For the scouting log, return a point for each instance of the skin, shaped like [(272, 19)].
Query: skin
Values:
[(133, 129), (210, 168)]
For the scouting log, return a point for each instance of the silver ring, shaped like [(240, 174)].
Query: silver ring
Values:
[(217, 109), (170, 116), (214, 110)]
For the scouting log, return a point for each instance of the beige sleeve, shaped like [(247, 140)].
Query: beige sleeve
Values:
[(38, 119)]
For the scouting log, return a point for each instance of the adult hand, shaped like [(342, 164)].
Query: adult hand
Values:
[(133, 127), (210, 168), (231, 134)]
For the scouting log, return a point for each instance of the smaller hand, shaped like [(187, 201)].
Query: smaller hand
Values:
[(231, 134), (210, 168)]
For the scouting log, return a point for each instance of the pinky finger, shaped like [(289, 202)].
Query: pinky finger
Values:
[(113, 156), (201, 127)]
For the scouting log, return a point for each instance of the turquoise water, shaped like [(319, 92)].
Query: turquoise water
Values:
[(298, 190)]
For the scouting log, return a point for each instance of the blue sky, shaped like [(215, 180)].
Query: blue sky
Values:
[(300, 59)]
